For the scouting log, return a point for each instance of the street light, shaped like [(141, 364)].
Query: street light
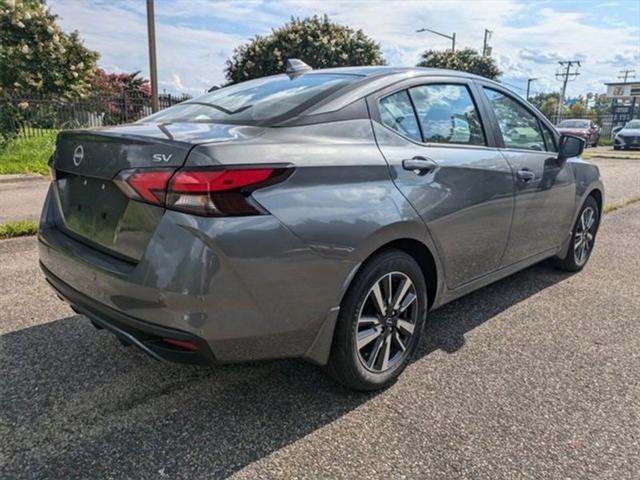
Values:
[(529, 85), (450, 37)]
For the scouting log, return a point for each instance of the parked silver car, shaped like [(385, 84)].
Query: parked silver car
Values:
[(628, 136), (319, 214)]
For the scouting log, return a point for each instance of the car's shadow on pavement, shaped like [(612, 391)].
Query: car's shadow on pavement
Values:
[(77, 404)]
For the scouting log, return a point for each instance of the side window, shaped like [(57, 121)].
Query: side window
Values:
[(519, 127), (397, 113), (447, 114), (549, 139)]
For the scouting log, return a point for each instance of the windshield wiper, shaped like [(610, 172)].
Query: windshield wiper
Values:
[(222, 109)]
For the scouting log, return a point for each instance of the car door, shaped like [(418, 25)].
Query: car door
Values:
[(443, 160), (545, 188)]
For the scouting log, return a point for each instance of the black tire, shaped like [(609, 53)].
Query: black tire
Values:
[(348, 363), (616, 147), (575, 260)]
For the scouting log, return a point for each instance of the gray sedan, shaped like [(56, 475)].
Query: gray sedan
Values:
[(315, 214)]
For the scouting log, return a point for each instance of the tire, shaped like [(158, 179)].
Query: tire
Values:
[(582, 243), (616, 147), (387, 342)]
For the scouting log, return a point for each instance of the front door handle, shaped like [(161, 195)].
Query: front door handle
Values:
[(419, 165), (526, 175)]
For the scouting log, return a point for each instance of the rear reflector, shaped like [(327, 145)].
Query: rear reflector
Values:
[(204, 192), (181, 343)]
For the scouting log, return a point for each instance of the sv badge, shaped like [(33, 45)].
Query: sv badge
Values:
[(161, 157)]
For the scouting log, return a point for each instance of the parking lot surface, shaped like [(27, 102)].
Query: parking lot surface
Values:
[(536, 376)]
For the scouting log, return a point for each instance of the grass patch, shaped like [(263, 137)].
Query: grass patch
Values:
[(605, 142), (612, 207), (28, 155), (20, 228)]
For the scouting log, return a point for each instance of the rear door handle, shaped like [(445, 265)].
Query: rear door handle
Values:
[(526, 175), (419, 165)]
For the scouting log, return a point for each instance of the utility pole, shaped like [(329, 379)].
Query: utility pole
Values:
[(451, 37), (565, 76), (486, 49), (625, 75), (153, 66), (529, 85)]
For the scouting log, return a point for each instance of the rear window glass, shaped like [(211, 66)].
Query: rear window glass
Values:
[(397, 113), (255, 101)]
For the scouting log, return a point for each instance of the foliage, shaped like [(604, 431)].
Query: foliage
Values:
[(37, 56), (18, 229), (315, 40), (28, 155), (120, 95), (466, 60), (547, 103)]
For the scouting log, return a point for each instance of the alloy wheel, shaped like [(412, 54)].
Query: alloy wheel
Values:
[(386, 322), (585, 233)]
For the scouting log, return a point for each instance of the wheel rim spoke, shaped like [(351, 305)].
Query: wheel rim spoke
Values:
[(379, 299), (375, 352), (406, 326), (367, 336), (387, 353), (401, 292), (409, 299), (399, 341)]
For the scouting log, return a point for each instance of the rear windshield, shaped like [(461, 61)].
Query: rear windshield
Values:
[(256, 101), (575, 123)]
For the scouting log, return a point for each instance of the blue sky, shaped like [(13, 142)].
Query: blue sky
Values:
[(195, 37)]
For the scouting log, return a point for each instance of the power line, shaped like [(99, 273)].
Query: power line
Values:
[(625, 75), (565, 77)]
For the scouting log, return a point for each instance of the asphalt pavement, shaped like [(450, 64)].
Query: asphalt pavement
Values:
[(536, 376)]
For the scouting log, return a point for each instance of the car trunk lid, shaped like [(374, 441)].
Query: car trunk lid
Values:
[(93, 209)]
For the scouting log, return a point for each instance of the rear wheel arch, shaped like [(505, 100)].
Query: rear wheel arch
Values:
[(422, 255)]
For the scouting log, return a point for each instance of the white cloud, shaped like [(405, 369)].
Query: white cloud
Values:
[(195, 37)]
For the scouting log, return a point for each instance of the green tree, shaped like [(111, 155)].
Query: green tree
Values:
[(547, 103), (314, 40), (36, 56), (466, 60)]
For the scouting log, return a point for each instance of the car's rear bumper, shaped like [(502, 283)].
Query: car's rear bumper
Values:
[(148, 337), (246, 286)]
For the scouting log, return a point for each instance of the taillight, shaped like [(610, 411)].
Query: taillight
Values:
[(207, 192), (146, 185)]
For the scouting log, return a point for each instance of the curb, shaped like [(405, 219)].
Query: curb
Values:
[(614, 157), (22, 178)]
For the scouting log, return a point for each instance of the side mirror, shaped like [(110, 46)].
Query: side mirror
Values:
[(570, 146)]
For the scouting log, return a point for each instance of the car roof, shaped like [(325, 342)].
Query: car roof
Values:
[(375, 78), (379, 71)]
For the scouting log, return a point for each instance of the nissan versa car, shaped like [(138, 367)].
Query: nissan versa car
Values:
[(315, 214)]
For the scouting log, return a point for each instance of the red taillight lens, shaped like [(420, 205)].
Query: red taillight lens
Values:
[(146, 185), (217, 180), (202, 192)]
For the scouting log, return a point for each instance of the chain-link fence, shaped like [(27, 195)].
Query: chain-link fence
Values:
[(29, 116)]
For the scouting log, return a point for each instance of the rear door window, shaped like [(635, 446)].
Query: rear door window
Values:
[(396, 112), (447, 114), (519, 127)]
